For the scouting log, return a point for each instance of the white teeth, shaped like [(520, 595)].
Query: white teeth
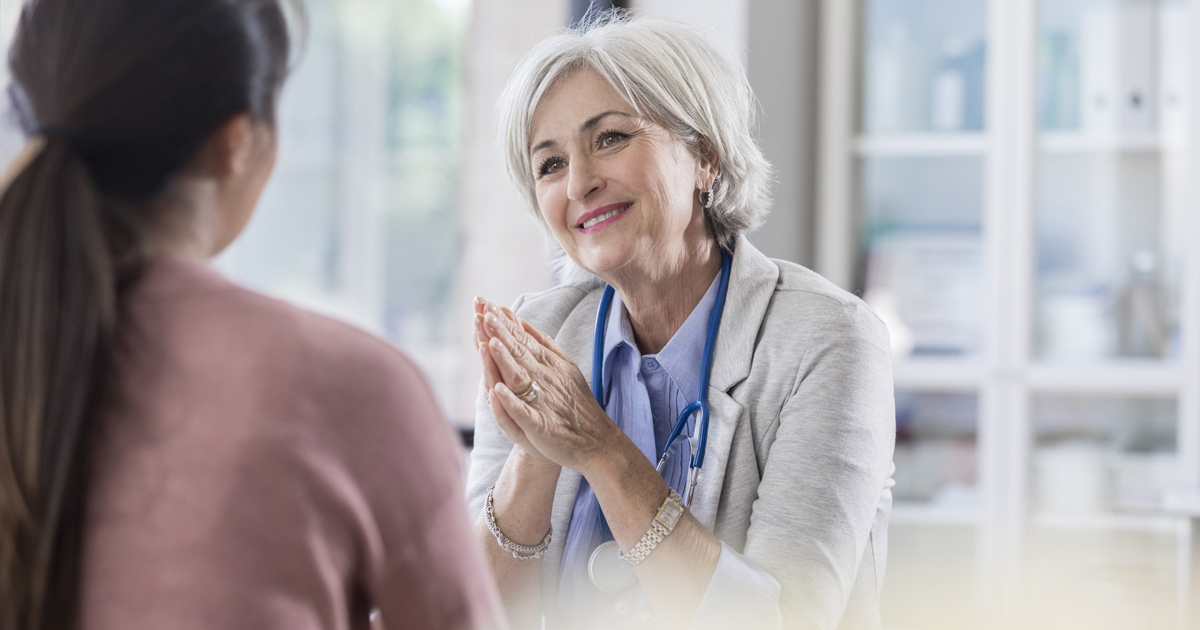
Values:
[(604, 217)]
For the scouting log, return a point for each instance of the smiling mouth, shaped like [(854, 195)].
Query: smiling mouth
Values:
[(596, 220)]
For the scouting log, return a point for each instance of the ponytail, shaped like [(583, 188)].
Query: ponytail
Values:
[(119, 95), (58, 311)]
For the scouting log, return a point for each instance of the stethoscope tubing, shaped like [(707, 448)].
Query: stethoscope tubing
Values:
[(700, 405)]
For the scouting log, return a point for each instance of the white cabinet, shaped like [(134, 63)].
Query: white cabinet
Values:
[(1011, 185)]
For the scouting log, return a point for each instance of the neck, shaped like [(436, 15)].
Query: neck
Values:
[(660, 300), (188, 224)]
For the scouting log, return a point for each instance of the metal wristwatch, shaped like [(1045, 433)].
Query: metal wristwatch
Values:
[(668, 515)]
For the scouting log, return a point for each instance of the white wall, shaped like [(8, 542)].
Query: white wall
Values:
[(727, 17), (782, 67), (776, 39)]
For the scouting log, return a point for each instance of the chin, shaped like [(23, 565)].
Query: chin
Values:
[(601, 263)]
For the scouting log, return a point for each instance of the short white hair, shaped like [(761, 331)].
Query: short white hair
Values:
[(678, 76)]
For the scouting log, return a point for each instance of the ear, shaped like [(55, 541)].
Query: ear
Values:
[(231, 149), (708, 165)]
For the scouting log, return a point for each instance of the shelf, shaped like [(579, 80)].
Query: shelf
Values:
[(933, 144), (1110, 522), (942, 374), (1122, 377), (1115, 377), (1078, 142), (914, 513), (921, 144)]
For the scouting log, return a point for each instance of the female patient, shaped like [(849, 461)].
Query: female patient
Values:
[(178, 452)]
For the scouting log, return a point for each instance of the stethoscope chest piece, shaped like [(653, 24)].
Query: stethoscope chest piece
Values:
[(608, 572)]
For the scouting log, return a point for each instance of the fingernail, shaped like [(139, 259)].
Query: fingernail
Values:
[(508, 313), (492, 307), (478, 300)]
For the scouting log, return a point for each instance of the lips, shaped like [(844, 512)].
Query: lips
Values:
[(601, 215)]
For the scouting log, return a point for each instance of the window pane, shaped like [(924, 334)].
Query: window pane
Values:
[(359, 220)]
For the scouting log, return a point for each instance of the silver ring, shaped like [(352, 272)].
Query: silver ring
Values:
[(530, 394)]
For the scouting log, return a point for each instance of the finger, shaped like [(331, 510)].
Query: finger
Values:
[(512, 373), (481, 334), (508, 427), (524, 348), (491, 373), (518, 411)]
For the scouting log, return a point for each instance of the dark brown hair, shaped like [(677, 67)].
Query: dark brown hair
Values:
[(118, 96)]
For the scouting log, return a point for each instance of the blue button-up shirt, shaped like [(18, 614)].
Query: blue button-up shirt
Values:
[(644, 397)]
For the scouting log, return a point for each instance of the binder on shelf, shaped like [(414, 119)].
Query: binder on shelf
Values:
[(1119, 59)]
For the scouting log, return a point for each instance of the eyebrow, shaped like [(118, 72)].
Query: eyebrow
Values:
[(588, 124)]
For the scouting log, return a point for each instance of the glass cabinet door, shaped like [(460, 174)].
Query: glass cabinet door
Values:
[(1109, 207), (919, 168), (918, 195)]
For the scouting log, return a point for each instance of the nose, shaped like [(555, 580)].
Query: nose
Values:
[(582, 179)]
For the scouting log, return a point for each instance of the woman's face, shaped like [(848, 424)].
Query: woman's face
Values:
[(619, 192)]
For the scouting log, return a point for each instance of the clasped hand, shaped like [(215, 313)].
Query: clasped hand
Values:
[(564, 424)]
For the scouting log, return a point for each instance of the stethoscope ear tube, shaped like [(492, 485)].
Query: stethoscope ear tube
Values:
[(706, 363), (598, 344)]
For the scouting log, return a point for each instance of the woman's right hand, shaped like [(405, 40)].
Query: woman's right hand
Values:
[(491, 376)]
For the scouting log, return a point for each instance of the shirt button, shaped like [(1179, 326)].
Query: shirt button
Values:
[(650, 364), (621, 607), (639, 377)]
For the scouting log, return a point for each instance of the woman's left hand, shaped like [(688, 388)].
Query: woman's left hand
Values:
[(564, 422)]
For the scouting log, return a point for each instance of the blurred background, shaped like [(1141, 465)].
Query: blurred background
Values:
[(1011, 185)]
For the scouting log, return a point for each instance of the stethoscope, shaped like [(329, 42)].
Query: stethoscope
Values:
[(606, 570)]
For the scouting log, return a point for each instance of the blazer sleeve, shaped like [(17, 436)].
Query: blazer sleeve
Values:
[(824, 497)]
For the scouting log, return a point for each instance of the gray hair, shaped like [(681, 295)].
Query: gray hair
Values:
[(669, 73)]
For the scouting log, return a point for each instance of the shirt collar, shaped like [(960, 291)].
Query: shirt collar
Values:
[(682, 355)]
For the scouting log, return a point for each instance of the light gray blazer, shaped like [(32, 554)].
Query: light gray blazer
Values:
[(802, 427)]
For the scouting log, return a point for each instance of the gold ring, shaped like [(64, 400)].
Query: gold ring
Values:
[(530, 394)]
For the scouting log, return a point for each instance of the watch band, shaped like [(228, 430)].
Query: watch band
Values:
[(664, 522)]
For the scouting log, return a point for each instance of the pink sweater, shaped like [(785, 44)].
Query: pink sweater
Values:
[(262, 467)]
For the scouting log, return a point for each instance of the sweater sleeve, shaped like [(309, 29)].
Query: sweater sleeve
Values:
[(421, 566)]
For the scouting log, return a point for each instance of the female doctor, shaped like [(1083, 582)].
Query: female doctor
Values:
[(703, 436)]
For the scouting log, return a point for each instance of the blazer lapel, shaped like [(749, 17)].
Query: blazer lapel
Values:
[(724, 413), (751, 286)]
